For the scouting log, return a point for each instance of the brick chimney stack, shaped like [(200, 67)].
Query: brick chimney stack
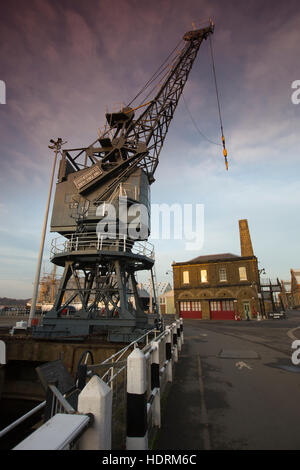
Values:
[(246, 244)]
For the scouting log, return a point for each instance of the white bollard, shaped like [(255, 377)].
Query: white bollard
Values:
[(137, 433), (96, 398)]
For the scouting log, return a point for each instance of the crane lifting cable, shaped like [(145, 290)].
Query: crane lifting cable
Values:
[(195, 125), (218, 101)]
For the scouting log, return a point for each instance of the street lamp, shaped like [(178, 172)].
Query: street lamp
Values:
[(56, 146)]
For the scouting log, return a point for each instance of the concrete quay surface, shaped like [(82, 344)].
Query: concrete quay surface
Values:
[(235, 387)]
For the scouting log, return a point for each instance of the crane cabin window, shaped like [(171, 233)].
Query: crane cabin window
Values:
[(222, 274), (203, 275), (243, 273), (186, 277)]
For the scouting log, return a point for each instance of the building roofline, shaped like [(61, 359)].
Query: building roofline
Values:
[(214, 259)]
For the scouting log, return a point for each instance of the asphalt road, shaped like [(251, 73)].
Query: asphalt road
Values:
[(235, 387)]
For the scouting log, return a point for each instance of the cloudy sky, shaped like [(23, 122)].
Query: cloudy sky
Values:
[(64, 61)]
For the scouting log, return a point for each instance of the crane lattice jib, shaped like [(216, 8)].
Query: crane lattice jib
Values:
[(152, 126), (128, 143)]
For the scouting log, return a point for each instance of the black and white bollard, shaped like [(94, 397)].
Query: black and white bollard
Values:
[(169, 362), (137, 435), (178, 335), (181, 330), (175, 345), (155, 384)]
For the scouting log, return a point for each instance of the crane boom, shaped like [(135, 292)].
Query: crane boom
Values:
[(152, 126), (128, 143)]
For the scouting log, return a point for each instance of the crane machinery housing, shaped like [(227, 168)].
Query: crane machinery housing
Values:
[(115, 171)]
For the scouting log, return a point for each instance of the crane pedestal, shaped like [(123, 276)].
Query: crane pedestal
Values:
[(99, 277)]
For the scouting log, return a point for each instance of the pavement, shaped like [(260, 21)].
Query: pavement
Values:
[(235, 388)]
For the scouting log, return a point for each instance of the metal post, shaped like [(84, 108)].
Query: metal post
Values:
[(150, 298), (57, 146)]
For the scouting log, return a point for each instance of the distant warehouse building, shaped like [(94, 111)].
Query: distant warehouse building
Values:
[(221, 286)]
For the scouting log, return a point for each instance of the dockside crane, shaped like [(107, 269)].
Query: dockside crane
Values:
[(116, 170)]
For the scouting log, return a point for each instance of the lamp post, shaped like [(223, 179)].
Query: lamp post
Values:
[(56, 146)]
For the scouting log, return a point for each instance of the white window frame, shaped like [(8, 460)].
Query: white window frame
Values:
[(203, 276), (196, 306), (243, 273), (224, 272), (185, 306), (186, 277)]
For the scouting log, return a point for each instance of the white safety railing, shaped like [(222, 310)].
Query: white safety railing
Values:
[(97, 242), (59, 433), (62, 427), (132, 385), (120, 406)]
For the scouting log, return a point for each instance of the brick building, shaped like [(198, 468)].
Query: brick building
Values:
[(221, 286), (285, 294), (295, 288)]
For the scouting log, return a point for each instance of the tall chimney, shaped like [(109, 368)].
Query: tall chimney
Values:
[(246, 244)]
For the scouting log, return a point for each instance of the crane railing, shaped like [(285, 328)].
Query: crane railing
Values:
[(99, 242)]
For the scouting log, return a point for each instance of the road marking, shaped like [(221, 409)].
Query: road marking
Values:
[(238, 354), (204, 416), (240, 365), (290, 333)]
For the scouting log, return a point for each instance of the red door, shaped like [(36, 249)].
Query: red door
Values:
[(190, 309), (221, 310)]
